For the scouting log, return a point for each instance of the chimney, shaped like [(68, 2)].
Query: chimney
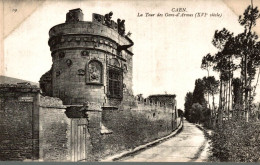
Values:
[(74, 15)]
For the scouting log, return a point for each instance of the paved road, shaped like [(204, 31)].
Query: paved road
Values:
[(188, 146)]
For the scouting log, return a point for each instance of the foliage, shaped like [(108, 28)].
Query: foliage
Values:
[(237, 91), (199, 92), (211, 85), (196, 113), (243, 47), (221, 61), (249, 49), (195, 103), (207, 115), (180, 112), (249, 17), (187, 105), (200, 114), (236, 141), (221, 38), (207, 62)]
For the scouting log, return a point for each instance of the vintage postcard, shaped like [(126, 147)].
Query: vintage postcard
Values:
[(130, 81)]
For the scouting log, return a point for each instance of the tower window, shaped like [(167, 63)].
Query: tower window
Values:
[(115, 83)]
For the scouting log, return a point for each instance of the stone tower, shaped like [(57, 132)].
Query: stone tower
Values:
[(92, 62)]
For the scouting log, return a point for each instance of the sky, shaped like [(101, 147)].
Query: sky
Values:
[(167, 50)]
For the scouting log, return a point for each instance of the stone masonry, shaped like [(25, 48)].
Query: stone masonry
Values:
[(19, 124), (92, 62)]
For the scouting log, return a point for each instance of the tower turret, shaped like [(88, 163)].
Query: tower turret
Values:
[(92, 61)]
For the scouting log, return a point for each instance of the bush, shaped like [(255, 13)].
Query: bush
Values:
[(196, 113), (236, 141)]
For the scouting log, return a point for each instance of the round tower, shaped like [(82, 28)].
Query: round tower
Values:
[(92, 61)]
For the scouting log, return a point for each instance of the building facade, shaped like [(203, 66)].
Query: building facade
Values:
[(92, 61), (165, 99)]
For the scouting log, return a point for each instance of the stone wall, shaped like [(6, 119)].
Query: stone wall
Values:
[(19, 124), (35, 127), (32, 127), (142, 122), (112, 131), (106, 133), (54, 131), (132, 128)]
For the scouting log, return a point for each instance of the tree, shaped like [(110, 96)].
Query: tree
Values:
[(248, 49), (221, 63), (211, 87), (199, 92), (238, 94), (207, 62), (187, 105), (197, 113), (195, 104), (223, 41)]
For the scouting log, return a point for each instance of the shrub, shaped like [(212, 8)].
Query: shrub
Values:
[(236, 141)]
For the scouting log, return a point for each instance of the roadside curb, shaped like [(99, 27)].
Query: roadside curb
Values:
[(205, 153), (205, 131), (142, 147)]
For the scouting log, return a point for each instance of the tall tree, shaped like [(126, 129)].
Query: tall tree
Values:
[(206, 64), (243, 47), (222, 40), (237, 98), (199, 92), (187, 105), (211, 85), (248, 48)]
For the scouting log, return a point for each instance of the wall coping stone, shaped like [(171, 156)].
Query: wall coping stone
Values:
[(19, 87), (51, 102)]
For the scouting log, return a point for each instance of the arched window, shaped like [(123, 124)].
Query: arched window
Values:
[(94, 72)]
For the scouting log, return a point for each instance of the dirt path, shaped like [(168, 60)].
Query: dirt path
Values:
[(188, 146)]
